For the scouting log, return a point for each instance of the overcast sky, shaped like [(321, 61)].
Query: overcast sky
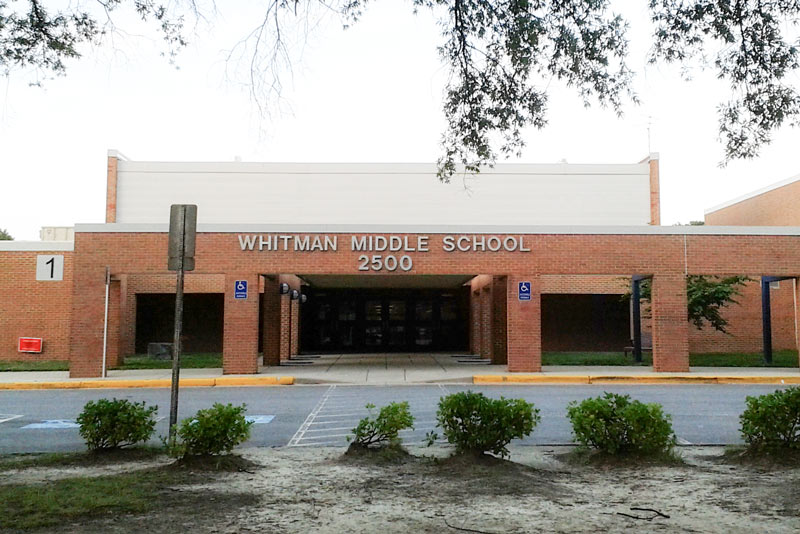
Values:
[(371, 93)]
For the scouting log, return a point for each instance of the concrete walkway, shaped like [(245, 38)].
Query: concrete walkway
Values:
[(397, 369)]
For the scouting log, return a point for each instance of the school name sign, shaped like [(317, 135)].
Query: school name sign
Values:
[(392, 249)]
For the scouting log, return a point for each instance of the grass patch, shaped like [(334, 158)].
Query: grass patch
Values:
[(592, 358), (79, 459), (47, 365), (780, 358), (776, 458), (591, 457), (40, 505), (200, 360), (149, 491)]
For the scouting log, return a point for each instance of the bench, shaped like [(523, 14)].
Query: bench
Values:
[(647, 344)]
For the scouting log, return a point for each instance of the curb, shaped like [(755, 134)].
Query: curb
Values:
[(155, 383), (633, 379)]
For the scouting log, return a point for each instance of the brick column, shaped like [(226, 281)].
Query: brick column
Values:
[(240, 334), (670, 326), (114, 324), (284, 325), (111, 189), (524, 325), (86, 320), (127, 318), (295, 327), (486, 322), (475, 322), (796, 285), (271, 322), (499, 298)]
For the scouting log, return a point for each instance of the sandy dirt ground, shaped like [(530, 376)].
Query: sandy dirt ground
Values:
[(305, 490)]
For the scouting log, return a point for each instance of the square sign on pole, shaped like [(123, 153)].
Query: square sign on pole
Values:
[(240, 289), (180, 258), (524, 291)]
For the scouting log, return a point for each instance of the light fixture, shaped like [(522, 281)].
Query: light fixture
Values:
[(303, 298), (295, 294), (283, 288)]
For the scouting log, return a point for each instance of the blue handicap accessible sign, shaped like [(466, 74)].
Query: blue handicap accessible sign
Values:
[(524, 291), (53, 424), (259, 419), (240, 289)]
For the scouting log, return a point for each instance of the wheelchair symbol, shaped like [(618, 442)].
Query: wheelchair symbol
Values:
[(240, 289)]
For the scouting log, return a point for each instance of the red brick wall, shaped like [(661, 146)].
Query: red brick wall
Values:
[(655, 194), (668, 257), (744, 323), (773, 208), (31, 308), (586, 284), (111, 190)]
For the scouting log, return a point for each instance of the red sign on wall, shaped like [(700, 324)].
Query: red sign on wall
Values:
[(30, 344)]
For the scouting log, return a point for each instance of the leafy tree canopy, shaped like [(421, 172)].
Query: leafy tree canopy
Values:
[(706, 297), (5, 236), (501, 55)]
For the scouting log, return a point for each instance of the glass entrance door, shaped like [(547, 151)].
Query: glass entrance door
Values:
[(385, 320)]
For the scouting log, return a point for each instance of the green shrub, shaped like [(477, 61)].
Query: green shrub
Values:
[(212, 431), (383, 428), (477, 424), (772, 421), (616, 425), (111, 424)]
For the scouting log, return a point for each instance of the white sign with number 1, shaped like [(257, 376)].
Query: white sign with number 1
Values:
[(49, 267)]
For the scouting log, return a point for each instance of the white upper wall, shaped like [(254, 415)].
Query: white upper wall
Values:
[(237, 192)]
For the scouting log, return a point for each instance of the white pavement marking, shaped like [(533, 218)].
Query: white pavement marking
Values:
[(259, 419), (6, 417), (53, 424), (295, 441)]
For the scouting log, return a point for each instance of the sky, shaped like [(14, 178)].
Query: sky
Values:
[(371, 93)]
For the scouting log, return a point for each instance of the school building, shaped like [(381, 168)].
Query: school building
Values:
[(383, 258)]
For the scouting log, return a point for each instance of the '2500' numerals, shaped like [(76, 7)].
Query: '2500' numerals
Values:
[(388, 263)]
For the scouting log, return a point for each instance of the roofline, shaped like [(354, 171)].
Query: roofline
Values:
[(37, 246), (445, 229), (753, 194)]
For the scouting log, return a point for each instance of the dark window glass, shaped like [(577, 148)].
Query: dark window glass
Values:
[(373, 336), (424, 336), (397, 310), (346, 336), (373, 308), (324, 312), (449, 309), (347, 310), (397, 335), (423, 311)]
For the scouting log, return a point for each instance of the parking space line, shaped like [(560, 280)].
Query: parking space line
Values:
[(5, 417), (294, 442)]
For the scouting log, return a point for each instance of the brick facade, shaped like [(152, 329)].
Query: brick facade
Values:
[(30, 308), (666, 257)]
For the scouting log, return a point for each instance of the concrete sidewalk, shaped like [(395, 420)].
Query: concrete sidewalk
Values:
[(398, 369)]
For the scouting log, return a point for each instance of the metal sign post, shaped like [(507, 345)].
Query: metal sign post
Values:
[(182, 229)]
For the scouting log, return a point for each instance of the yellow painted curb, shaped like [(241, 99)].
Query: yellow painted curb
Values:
[(151, 383), (637, 379), (254, 381)]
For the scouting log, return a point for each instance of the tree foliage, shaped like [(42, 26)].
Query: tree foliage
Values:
[(5, 236), (706, 297), (501, 56)]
